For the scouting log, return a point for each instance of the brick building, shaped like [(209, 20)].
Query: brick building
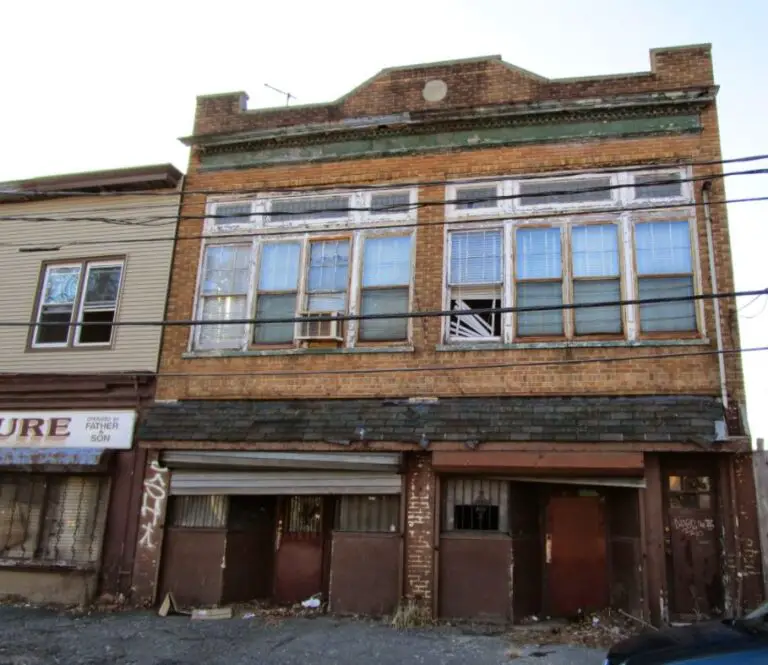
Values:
[(486, 463), (73, 263)]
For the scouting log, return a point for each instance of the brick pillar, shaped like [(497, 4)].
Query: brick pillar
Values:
[(149, 545), (419, 518)]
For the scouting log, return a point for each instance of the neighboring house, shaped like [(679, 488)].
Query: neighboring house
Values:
[(485, 463), (78, 254)]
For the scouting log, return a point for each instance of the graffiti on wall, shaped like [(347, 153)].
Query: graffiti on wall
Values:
[(153, 504), (692, 527)]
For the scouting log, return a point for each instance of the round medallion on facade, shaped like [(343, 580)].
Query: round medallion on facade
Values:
[(435, 90)]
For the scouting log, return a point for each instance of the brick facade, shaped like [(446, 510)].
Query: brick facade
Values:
[(419, 529)]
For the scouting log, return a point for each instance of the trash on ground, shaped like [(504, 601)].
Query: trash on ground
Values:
[(212, 614)]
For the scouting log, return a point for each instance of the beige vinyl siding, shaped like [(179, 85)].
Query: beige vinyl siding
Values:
[(142, 294)]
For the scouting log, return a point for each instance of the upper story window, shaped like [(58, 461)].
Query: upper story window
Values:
[(306, 209), (81, 292), (565, 191), (658, 185)]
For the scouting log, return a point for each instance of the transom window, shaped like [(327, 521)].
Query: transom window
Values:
[(85, 293)]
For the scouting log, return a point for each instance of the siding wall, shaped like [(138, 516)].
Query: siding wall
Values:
[(145, 280)]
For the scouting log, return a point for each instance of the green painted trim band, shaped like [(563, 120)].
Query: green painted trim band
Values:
[(388, 146)]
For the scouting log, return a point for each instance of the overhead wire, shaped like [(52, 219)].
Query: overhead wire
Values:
[(631, 166)]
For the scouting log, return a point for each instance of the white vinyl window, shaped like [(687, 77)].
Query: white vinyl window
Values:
[(385, 287), (277, 289), (539, 281), (224, 295), (85, 293), (595, 270), (665, 270), (475, 283)]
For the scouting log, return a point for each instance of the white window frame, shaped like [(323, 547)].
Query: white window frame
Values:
[(211, 227), (78, 306)]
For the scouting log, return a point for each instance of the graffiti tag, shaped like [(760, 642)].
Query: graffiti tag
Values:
[(152, 504), (692, 527)]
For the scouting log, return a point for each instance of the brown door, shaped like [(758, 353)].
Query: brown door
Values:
[(299, 560), (575, 554), (691, 544)]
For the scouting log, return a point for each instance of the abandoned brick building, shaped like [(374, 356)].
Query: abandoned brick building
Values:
[(493, 461)]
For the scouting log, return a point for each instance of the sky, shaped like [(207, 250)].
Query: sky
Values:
[(94, 85)]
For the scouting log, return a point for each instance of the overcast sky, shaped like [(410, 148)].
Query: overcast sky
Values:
[(91, 85)]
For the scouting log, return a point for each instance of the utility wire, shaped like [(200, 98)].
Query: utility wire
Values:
[(371, 226), (323, 186), (405, 207), (469, 366), (401, 315)]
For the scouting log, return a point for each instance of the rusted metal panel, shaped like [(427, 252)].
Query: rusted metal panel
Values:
[(576, 555), (624, 550), (364, 573), (192, 566), (527, 553), (613, 463), (474, 577), (298, 568)]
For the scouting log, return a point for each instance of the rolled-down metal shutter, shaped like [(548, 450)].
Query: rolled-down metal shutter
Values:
[(186, 482), (291, 461)]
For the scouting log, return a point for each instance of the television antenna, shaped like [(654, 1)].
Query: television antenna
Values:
[(288, 95)]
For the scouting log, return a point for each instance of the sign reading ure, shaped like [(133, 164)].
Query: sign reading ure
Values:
[(67, 429)]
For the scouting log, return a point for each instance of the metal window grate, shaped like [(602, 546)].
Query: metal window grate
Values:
[(475, 505), (53, 518), (304, 514), (368, 513), (199, 512)]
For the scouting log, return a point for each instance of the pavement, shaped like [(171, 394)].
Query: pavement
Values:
[(30, 636)]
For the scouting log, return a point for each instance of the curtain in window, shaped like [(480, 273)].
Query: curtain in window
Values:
[(665, 270)]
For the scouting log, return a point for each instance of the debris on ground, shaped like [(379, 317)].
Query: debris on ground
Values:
[(313, 602), (212, 614), (596, 630)]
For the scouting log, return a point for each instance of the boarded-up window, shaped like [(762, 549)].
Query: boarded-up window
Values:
[(53, 518), (475, 505), (368, 513), (199, 512)]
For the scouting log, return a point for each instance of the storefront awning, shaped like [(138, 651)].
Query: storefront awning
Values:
[(90, 457)]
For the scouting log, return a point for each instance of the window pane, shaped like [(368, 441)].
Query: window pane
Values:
[(595, 250), (385, 301), (387, 261), (390, 202), (96, 328), (327, 302), (568, 191), (328, 266), (274, 307), (231, 213), (227, 269), (53, 334), (597, 319), (665, 316), (540, 294), (538, 254), (468, 322), (279, 269), (484, 196), (475, 257), (222, 335), (102, 286), (302, 209), (663, 248), (649, 190), (61, 285)]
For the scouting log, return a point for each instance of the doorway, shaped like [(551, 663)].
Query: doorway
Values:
[(575, 555)]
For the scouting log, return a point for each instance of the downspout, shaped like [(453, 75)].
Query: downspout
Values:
[(706, 187)]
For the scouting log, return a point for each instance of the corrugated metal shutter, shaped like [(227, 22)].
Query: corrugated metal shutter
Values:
[(286, 483), (190, 459)]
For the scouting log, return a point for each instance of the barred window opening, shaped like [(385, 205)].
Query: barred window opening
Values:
[(380, 513), (475, 505), (199, 512)]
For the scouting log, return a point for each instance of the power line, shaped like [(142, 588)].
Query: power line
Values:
[(613, 168), (266, 233), (402, 315), (469, 366), (418, 205)]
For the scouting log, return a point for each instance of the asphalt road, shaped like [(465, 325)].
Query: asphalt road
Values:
[(35, 637)]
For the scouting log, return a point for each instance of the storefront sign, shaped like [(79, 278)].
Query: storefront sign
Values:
[(67, 429)]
